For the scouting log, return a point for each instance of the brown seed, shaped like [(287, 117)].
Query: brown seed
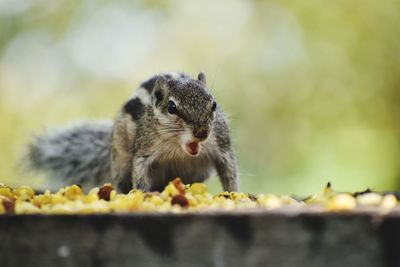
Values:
[(9, 206), (104, 192), (179, 185), (181, 200)]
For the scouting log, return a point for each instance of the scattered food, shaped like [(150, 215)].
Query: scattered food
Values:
[(178, 198)]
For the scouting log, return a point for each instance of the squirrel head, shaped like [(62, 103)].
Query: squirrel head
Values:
[(185, 107)]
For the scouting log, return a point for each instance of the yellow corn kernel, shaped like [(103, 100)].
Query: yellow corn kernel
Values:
[(341, 202), (237, 196), (113, 194), (228, 204), (204, 198), (58, 209), (176, 209), (269, 201), (73, 192), (171, 190), (58, 199), (24, 207), (388, 202), (91, 197), (94, 191), (148, 206), (6, 191), (41, 200), (92, 207), (127, 202), (61, 191), (247, 205), (287, 200), (156, 200), (165, 207), (316, 200), (24, 192), (119, 204), (369, 199), (136, 199), (2, 209), (191, 200), (198, 188)]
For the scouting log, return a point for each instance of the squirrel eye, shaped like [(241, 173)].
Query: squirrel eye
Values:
[(214, 106), (171, 108)]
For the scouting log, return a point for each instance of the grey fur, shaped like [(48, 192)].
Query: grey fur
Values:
[(75, 154), (146, 147)]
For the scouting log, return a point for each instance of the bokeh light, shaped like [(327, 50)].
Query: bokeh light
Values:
[(311, 88)]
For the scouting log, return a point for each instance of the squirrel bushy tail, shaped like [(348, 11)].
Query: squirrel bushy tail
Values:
[(78, 154)]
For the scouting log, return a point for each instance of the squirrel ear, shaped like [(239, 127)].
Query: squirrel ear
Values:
[(159, 88), (160, 82), (202, 78)]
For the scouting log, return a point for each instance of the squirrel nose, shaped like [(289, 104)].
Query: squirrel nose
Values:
[(200, 134)]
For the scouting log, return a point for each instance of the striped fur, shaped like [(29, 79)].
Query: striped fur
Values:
[(145, 146)]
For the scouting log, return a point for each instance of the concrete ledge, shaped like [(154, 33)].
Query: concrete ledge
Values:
[(275, 238)]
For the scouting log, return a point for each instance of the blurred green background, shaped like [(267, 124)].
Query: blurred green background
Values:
[(312, 87)]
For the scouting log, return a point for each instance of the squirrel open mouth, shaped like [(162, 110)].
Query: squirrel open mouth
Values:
[(193, 148)]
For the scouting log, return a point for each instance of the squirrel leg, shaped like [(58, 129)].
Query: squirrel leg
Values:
[(123, 135), (121, 168), (140, 179), (227, 171)]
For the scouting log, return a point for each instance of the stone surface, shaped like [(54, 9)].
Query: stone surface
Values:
[(274, 238)]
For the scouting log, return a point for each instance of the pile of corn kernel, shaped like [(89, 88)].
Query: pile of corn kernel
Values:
[(175, 198)]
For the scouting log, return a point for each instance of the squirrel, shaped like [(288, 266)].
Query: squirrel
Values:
[(171, 127)]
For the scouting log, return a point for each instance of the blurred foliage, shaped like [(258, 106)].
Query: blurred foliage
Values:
[(312, 87)]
